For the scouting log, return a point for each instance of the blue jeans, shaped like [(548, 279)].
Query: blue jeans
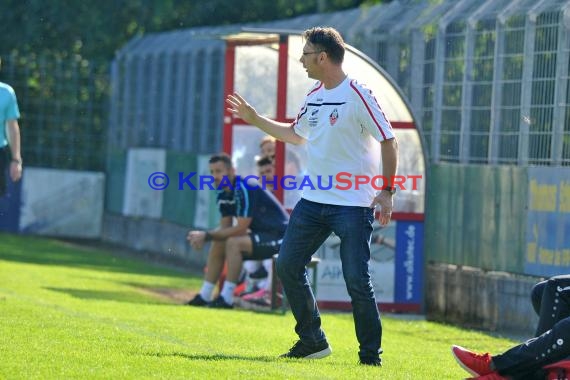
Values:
[(309, 226)]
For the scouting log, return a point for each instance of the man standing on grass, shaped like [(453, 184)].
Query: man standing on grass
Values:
[(257, 234), (10, 156), (345, 130)]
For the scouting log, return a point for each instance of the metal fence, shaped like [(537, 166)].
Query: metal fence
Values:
[(488, 80), (64, 110)]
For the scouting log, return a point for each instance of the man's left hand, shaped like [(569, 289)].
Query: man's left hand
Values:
[(386, 203), (15, 170)]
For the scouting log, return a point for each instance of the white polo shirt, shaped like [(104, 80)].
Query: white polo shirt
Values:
[(343, 127)]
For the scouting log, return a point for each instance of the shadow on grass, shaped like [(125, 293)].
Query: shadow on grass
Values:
[(130, 297), (234, 357), (175, 295), (213, 357), (43, 251)]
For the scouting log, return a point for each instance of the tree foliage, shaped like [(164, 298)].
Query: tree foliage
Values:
[(96, 29), (57, 56)]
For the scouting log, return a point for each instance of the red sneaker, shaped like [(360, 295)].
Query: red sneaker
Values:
[(474, 363), (490, 376), (261, 297), (558, 370)]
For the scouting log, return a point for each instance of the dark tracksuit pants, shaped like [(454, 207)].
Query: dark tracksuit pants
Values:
[(551, 300), (3, 170)]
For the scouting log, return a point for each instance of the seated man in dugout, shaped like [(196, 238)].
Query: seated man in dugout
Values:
[(543, 357), (257, 234), (262, 295)]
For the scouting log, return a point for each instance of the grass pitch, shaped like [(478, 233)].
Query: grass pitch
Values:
[(70, 312)]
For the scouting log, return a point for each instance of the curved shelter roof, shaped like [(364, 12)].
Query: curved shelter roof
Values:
[(157, 63)]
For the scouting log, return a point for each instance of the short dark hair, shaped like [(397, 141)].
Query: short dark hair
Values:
[(221, 157), (328, 40), (265, 160)]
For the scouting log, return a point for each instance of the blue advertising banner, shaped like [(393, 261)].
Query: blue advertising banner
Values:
[(408, 287), (548, 222)]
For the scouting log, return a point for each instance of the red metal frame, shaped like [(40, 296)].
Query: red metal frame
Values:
[(281, 113), (406, 216), (281, 110), (385, 307), (403, 125), (229, 73)]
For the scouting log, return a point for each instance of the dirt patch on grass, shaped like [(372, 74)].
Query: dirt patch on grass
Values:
[(178, 296), (181, 296)]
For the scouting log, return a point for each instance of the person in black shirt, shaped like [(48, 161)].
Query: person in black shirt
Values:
[(545, 355), (257, 234)]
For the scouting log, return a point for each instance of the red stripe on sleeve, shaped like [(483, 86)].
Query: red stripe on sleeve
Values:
[(370, 111), (315, 89)]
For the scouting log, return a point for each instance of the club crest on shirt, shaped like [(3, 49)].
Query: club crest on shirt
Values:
[(333, 117)]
